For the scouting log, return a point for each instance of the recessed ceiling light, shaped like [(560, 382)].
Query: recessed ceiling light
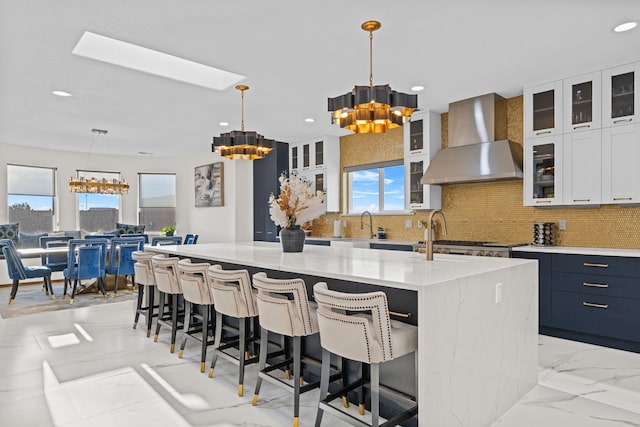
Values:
[(417, 88), (223, 124), (150, 61), (309, 120), (625, 27), (61, 93)]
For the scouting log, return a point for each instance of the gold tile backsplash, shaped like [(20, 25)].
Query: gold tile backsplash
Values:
[(490, 211)]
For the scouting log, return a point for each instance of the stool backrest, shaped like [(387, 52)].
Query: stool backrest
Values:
[(195, 282), (143, 269), (345, 331), (283, 306), (232, 292), (165, 270)]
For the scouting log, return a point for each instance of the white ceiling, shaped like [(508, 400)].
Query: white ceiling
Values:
[(294, 54)]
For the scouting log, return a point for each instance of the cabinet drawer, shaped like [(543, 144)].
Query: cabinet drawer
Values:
[(591, 264), (614, 286), (599, 315)]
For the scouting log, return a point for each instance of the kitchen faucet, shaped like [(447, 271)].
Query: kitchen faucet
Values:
[(370, 223), (429, 229)]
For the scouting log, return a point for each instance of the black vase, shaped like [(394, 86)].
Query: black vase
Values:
[(292, 239)]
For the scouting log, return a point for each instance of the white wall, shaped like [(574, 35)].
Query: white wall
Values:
[(232, 222)]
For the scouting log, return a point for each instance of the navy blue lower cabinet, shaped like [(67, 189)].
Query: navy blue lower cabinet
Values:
[(391, 246), (317, 242), (606, 316), (544, 284)]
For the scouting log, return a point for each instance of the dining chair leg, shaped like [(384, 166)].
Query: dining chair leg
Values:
[(14, 290), (216, 343), (262, 362), (160, 314), (48, 280), (101, 283), (187, 325), (73, 291), (174, 321)]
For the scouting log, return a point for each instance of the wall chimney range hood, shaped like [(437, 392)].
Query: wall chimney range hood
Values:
[(478, 149)]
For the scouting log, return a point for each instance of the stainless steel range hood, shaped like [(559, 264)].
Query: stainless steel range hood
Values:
[(478, 149)]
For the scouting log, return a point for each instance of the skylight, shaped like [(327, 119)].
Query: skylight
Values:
[(150, 61)]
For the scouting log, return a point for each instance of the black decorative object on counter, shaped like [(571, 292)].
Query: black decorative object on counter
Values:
[(292, 239)]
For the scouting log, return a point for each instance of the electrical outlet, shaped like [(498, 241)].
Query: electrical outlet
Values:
[(408, 223), (419, 224), (498, 293), (562, 224), (344, 223)]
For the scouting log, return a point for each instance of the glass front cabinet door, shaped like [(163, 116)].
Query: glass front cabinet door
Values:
[(583, 103), (543, 170), (543, 110), (619, 95)]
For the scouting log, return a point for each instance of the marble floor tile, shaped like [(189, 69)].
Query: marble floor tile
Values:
[(88, 367)]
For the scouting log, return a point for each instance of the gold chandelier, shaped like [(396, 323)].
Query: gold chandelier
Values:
[(242, 145), (80, 184), (372, 109)]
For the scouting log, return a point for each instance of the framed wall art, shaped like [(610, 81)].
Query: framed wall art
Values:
[(209, 185)]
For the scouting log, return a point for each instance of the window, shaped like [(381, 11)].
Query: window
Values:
[(98, 212), (376, 187), (31, 196), (157, 200)]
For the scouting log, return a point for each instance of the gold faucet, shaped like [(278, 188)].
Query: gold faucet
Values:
[(429, 226)]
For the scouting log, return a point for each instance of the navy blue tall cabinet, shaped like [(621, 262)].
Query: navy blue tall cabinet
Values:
[(265, 181)]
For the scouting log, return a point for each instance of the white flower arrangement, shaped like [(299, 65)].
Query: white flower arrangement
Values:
[(297, 202)]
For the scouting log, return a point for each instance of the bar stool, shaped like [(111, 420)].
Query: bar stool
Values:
[(284, 309), (196, 290), (233, 297), (144, 278), (371, 339), (165, 270)]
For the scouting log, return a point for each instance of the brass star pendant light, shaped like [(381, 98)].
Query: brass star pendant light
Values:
[(241, 144), (372, 109)]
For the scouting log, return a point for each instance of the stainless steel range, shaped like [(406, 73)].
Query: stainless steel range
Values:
[(461, 247)]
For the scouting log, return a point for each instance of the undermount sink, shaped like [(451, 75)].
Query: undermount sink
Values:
[(351, 243)]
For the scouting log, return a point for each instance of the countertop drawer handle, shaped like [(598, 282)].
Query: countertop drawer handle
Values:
[(588, 264), (590, 304), (582, 126), (595, 285), (623, 120), (543, 201), (395, 313), (581, 200), (543, 132), (615, 199)]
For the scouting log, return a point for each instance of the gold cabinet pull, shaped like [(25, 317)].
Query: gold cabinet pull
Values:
[(588, 264), (595, 285), (395, 313), (590, 304)]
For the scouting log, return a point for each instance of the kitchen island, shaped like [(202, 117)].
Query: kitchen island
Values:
[(477, 316)]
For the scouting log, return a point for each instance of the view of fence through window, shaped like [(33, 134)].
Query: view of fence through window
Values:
[(30, 197), (157, 200), (98, 212)]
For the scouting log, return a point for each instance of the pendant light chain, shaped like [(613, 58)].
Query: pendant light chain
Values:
[(242, 122), (370, 58)]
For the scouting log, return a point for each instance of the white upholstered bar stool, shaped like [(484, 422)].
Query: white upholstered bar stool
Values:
[(165, 271), (233, 297), (284, 309), (196, 290), (371, 339), (146, 284)]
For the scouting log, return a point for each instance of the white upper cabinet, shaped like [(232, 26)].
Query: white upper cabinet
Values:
[(620, 99), (543, 171), (583, 102), (543, 110), (422, 139), (318, 160), (620, 160), (582, 167)]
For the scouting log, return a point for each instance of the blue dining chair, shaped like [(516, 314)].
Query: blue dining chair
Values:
[(18, 271), (120, 258), (87, 259), (166, 240), (190, 239), (143, 235), (56, 262)]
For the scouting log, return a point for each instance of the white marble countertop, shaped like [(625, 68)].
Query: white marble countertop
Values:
[(396, 269), (579, 250)]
